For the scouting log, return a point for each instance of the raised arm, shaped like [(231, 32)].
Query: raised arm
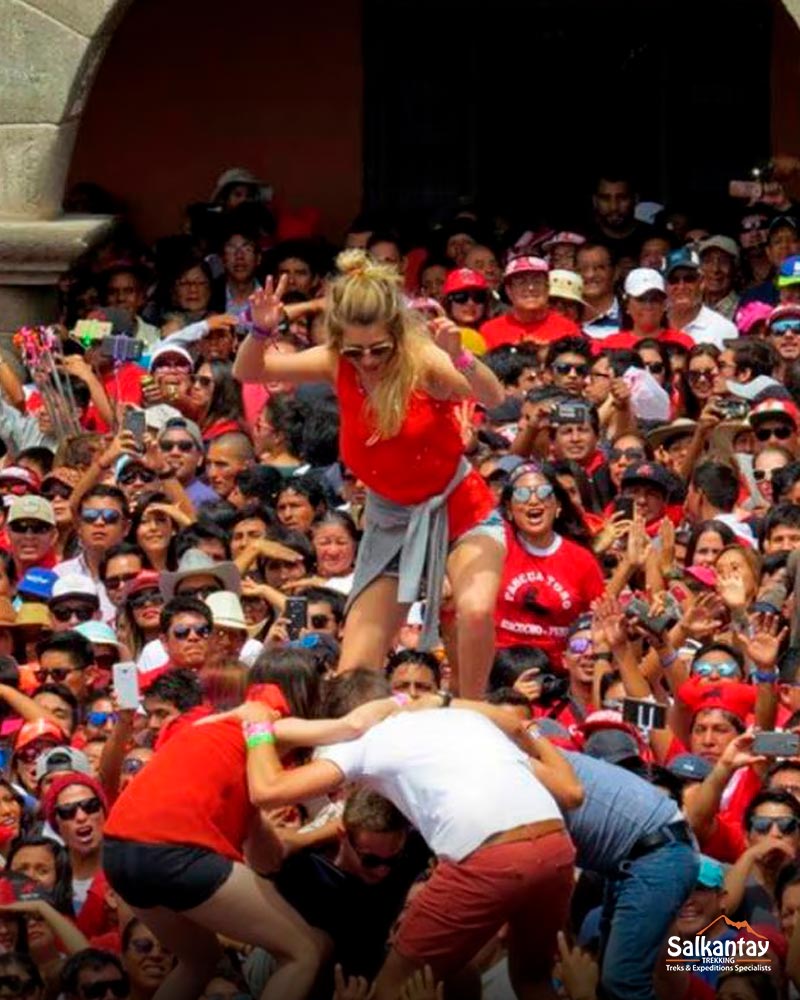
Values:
[(452, 371)]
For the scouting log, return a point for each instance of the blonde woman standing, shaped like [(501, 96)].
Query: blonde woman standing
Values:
[(399, 382)]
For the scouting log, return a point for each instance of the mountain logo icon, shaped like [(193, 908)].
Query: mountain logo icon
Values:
[(739, 925)]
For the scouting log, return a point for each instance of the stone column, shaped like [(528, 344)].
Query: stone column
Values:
[(48, 59)]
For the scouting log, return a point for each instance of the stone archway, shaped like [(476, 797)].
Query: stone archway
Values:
[(50, 55)]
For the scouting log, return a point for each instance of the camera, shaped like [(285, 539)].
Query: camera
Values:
[(733, 409), (553, 689), (571, 413)]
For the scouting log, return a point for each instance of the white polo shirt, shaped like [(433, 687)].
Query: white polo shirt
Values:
[(711, 327), (451, 772)]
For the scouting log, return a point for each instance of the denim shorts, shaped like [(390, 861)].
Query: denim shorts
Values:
[(176, 876), (493, 525)]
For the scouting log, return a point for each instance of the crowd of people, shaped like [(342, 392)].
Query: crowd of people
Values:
[(455, 573)]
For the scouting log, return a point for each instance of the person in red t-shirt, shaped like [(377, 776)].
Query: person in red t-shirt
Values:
[(549, 577), (531, 317), (645, 306)]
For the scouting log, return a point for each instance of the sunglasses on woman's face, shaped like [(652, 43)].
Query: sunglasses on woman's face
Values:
[(90, 806), (764, 824), (144, 946), (655, 367), (477, 295), (763, 475), (376, 351), (143, 598), (204, 381), (702, 375), (100, 718), (58, 491), (522, 494)]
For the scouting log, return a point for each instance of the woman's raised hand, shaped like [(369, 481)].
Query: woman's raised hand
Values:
[(266, 306), (446, 335)]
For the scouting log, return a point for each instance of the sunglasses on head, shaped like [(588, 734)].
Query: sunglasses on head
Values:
[(90, 806), (728, 668), (57, 674), (66, 612), (634, 454), (115, 582), (763, 824), (30, 528), (129, 476), (375, 351), (477, 295), (100, 989), (108, 515), (57, 491), (565, 368), (145, 597), (182, 632), (579, 645), (781, 432), (184, 446), (522, 494), (655, 367), (16, 986), (100, 718)]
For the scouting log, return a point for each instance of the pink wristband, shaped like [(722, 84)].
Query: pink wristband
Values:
[(465, 361), (401, 699), (257, 729)]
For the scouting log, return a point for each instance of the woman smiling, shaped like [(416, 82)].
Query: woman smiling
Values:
[(399, 383)]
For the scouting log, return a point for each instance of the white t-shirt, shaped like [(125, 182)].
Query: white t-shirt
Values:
[(711, 327), (451, 772)]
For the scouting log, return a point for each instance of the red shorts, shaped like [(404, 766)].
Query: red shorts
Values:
[(526, 884)]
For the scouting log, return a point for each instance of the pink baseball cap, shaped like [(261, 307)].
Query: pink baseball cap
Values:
[(525, 265)]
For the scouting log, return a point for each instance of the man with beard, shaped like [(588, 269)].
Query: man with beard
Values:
[(613, 204)]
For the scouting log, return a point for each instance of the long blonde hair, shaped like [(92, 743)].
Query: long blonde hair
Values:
[(364, 293)]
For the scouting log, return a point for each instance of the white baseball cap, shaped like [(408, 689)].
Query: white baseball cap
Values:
[(74, 585), (642, 280)]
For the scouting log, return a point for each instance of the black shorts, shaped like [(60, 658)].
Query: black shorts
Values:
[(171, 875)]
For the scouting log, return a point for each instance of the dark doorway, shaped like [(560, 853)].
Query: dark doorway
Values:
[(518, 104)]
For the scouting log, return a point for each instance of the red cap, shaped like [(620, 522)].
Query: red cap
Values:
[(728, 696), (39, 729), (65, 780), (462, 279)]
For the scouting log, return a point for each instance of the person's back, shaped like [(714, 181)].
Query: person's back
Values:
[(618, 809), (164, 804), (452, 773)]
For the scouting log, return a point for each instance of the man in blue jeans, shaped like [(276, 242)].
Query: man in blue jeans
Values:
[(634, 835)]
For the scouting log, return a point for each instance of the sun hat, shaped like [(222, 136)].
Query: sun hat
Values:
[(565, 284), (195, 562), (226, 610)]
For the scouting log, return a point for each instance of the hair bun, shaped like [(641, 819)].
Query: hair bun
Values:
[(353, 262)]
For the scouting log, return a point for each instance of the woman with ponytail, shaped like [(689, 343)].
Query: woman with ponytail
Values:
[(400, 381)]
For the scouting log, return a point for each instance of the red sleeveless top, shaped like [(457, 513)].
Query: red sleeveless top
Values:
[(417, 463)]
